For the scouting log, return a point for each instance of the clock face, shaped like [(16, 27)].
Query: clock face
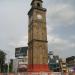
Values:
[(39, 16)]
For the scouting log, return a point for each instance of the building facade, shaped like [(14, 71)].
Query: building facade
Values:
[(54, 62), (71, 63), (64, 68)]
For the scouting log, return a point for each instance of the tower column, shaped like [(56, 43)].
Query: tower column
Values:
[(37, 39)]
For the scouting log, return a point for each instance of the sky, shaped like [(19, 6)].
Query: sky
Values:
[(60, 26)]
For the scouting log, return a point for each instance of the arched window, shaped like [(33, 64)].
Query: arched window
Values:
[(38, 4)]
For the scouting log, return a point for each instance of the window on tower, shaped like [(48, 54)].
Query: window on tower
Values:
[(38, 4)]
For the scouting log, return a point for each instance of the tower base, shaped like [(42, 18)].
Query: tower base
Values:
[(38, 69)]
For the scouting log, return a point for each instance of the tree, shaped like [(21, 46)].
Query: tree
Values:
[(11, 66), (2, 60)]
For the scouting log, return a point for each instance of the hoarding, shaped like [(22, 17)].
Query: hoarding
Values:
[(21, 51)]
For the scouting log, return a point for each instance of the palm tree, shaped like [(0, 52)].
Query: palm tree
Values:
[(2, 59)]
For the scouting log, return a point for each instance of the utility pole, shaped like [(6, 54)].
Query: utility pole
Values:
[(0, 67)]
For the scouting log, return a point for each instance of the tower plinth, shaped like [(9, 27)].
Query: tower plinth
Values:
[(37, 38)]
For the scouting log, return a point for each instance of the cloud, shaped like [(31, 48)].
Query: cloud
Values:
[(61, 19), (60, 25), (13, 25), (56, 42), (19, 43), (62, 13), (60, 46)]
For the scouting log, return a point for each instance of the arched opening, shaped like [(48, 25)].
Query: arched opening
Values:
[(38, 4)]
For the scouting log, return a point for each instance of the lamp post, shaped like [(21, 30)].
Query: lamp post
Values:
[(8, 68), (0, 67), (8, 64)]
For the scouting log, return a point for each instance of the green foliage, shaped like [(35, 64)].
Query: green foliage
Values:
[(10, 67), (2, 60), (5, 68), (2, 56)]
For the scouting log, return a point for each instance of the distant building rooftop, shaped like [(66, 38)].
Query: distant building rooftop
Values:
[(70, 58)]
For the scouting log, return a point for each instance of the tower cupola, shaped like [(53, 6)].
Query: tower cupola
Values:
[(36, 4)]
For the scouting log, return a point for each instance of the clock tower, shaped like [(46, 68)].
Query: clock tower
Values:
[(37, 38)]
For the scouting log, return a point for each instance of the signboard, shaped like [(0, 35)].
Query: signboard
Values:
[(21, 51)]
